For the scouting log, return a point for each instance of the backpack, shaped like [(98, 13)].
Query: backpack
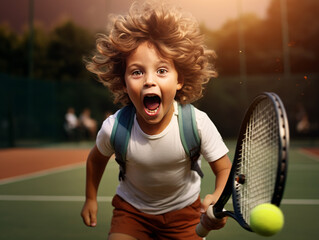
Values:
[(121, 133)]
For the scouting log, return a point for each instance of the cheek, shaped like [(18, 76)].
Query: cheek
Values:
[(169, 93), (127, 85), (132, 89)]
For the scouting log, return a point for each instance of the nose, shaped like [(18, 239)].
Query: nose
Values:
[(149, 80)]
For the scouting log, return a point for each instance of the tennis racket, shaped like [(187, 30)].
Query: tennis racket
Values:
[(259, 169)]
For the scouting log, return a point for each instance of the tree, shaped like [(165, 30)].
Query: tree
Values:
[(8, 44), (303, 32), (67, 47)]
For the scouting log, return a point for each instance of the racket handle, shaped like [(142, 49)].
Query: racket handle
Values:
[(201, 229)]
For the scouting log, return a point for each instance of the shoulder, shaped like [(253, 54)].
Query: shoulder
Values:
[(212, 144), (204, 124), (104, 135), (201, 117), (109, 122)]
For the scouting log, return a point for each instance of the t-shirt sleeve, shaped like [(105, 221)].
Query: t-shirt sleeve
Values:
[(212, 144), (103, 142)]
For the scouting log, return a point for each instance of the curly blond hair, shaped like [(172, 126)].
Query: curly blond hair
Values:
[(175, 35)]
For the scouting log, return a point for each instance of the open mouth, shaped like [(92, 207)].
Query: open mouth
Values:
[(152, 103)]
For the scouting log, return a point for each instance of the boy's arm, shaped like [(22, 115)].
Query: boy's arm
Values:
[(95, 167), (221, 169)]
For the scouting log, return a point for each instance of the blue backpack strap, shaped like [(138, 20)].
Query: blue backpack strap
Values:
[(120, 136), (189, 135)]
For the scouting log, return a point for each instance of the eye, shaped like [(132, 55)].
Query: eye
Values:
[(162, 71), (137, 73)]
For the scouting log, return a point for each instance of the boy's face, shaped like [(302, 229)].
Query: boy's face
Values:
[(151, 83)]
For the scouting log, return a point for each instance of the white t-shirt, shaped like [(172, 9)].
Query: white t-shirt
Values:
[(71, 120), (158, 176)]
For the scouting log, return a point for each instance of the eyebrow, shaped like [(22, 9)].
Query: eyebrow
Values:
[(162, 61), (134, 65)]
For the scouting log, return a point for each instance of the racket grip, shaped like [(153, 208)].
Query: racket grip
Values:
[(201, 229)]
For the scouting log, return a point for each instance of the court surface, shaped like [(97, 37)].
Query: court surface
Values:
[(42, 192)]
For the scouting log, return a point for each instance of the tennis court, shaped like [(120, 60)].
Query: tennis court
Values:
[(44, 198)]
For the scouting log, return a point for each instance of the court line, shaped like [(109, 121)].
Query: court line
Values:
[(41, 173), (54, 198)]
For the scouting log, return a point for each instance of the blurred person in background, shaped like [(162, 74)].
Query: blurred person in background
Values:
[(71, 124), (88, 123)]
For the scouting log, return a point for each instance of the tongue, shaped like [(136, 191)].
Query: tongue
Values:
[(152, 103)]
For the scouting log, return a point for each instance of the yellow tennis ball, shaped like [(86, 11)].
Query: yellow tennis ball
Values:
[(266, 219)]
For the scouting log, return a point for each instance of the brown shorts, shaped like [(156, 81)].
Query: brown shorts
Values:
[(179, 224)]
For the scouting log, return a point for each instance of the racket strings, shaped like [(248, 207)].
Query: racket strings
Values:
[(258, 163)]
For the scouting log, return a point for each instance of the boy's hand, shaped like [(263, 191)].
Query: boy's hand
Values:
[(211, 224), (89, 212)]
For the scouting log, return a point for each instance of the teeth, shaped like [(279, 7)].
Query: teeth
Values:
[(151, 103), (152, 111)]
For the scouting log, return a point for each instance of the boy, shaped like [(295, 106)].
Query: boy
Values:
[(154, 58)]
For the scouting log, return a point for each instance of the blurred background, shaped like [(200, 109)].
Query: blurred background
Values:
[(262, 45)]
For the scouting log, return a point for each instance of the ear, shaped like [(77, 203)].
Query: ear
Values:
[(124, 85), (180, 83)]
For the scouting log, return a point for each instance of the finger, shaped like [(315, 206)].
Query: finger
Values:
[(93, 219), (222, 223), (85, 218), (208, 200), (212, 223)]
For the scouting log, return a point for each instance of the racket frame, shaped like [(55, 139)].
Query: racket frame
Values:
[(229, 189)]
